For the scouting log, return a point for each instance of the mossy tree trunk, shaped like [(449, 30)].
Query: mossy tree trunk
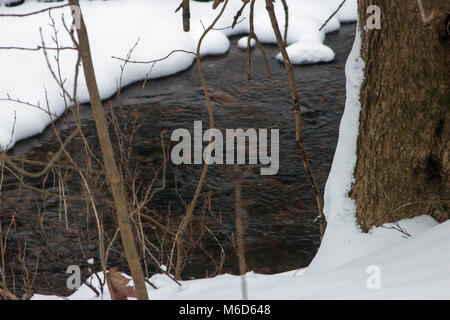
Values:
[(403, 144)]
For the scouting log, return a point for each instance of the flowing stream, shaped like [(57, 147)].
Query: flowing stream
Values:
[(280, 234)]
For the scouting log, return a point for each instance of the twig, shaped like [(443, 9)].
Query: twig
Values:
[(8, 294), (187, 219), (286, 20), (424, 17), (186, 14), (216, 3), (396, 226), (156, 60), (418, 202), (298, 115), (332, 15), (240, 233), (252, 35), (239, 13), (32, 13), (48, 166), (37, 48)]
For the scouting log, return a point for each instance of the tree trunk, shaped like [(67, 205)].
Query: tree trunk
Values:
[(402, 169), (112, 172)]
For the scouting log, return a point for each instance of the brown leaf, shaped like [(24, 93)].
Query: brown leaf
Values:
[(118, 285)]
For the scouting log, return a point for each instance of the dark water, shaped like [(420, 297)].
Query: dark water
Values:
[(280, 209)]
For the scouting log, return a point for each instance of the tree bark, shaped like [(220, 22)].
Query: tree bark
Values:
[(402, 169)]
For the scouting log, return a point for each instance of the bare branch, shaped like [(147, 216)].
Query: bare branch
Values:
[(298, 114), (188, 217), (332, 15), (37, 48), (425, 18), (186, 14), (286, 20), (16, 15), (239, 13), (156, 60)]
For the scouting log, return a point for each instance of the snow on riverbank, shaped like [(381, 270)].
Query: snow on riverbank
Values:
[(114, 27), (412, 268), (387, 263), (339, 209)]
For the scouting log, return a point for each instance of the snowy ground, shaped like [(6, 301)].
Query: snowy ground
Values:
[(412, 268), (114, 28), (385, 263)]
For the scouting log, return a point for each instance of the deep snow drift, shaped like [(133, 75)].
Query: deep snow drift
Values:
[(382, 264), (156, 29)]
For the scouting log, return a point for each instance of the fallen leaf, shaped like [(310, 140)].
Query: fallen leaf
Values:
[(119, 285)]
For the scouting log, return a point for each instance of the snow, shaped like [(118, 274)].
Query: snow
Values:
[(306, 53), (154, 28), (410, 268), (243, 42), (382, 264), (339, 209)]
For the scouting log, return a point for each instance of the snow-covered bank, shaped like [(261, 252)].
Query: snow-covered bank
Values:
[(342, 236), (412, 268), (114, 27)]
